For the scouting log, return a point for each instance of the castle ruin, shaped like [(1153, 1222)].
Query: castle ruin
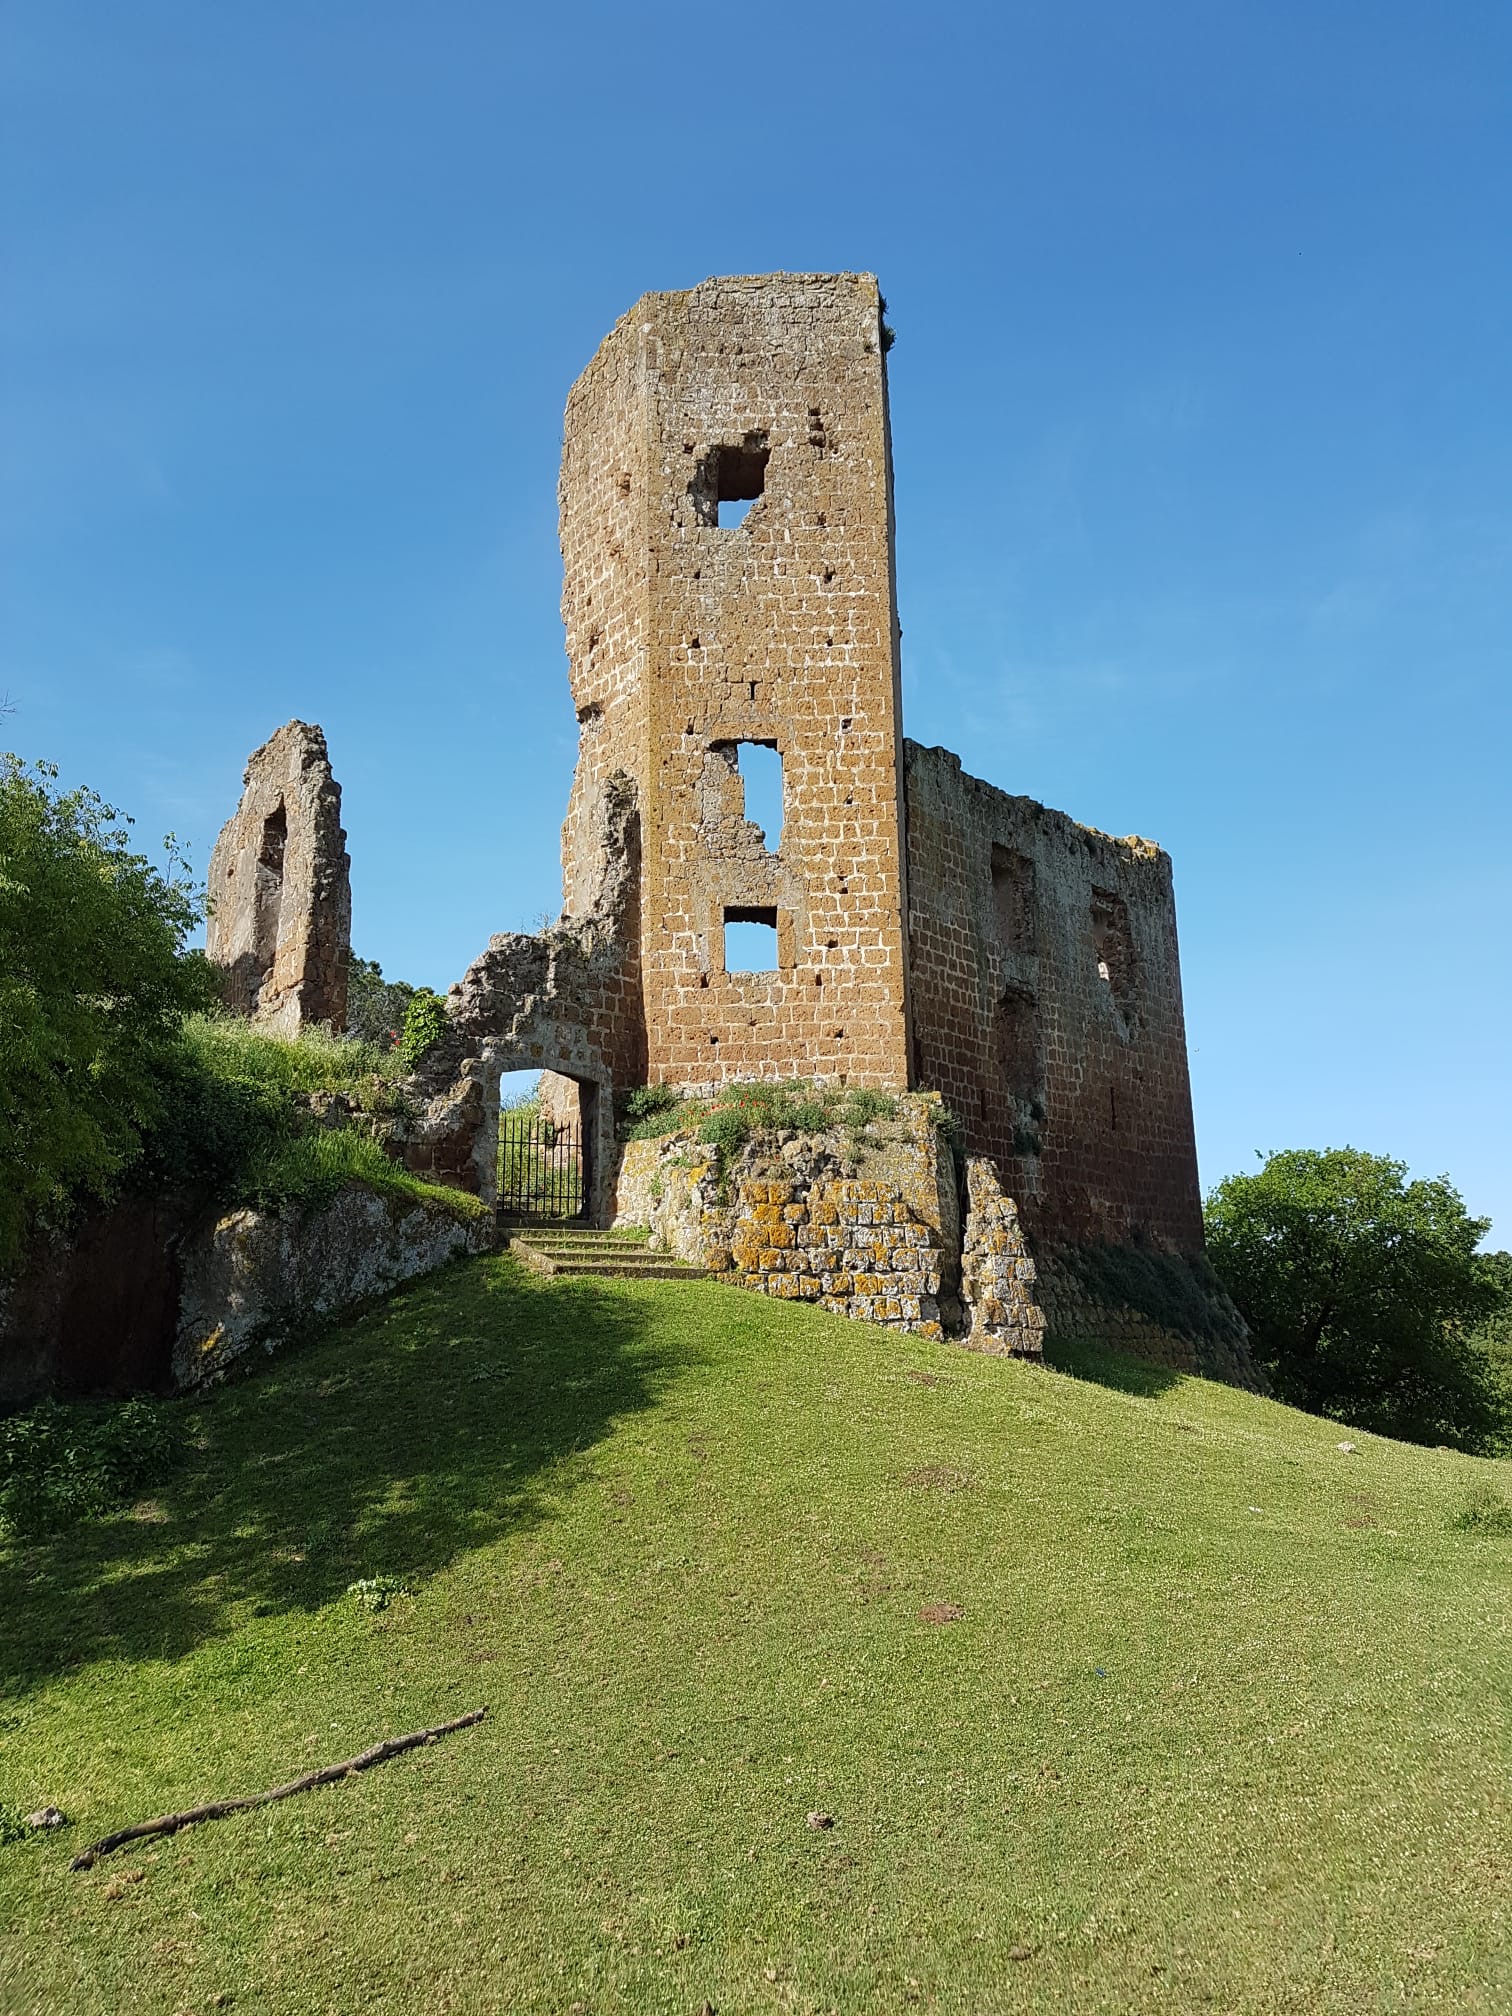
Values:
[(926, 929), (728, 596)]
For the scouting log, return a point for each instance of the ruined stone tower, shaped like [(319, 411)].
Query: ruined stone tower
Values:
[(727, 538), (726, 523)]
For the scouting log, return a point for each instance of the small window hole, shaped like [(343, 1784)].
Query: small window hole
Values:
[(750, 939)]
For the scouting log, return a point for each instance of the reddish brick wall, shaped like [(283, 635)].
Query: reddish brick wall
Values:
[(688, 634), (1046, 997)]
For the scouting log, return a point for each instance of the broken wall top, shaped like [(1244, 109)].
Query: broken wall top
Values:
[(279, 888)]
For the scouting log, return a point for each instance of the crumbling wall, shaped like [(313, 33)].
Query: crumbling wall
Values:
[(257, 1279), (998, 1275), (555, 1001), (690, 635), (1047, 1009), (279, 889), (866, 1228)]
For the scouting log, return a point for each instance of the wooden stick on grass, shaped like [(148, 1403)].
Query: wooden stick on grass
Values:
[(170, 1823)]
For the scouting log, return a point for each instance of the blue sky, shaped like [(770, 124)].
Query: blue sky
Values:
[(1201, 422)]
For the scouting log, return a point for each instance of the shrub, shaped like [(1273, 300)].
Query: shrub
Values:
[(307, 1171), (94, 983), (861, 1106), (375, 1006), (727, 1128), (646, 1100), (1363, 1293), (61, 1465), (424, 1026)]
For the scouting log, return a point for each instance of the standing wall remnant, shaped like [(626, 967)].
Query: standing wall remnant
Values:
[(279, 887), (1047, 1009)]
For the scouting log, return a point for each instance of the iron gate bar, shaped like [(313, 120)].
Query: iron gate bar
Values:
[(540, 1169)]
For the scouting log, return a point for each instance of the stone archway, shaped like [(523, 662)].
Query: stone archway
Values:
[(595, 1120)]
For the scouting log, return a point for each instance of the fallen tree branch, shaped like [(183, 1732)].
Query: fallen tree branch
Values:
[(170, 1823)]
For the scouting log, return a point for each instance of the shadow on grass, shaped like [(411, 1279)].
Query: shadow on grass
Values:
[(448, 1416), (1081, 1359)]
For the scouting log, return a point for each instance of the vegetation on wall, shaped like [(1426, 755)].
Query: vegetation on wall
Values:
[(736, 1113), (1365, 1296), (94, 985), (245, 1126), (424, 1026)]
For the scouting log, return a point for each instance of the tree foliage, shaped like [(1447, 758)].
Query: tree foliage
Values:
[(1363, 1293), (375, 1006), (94, 984)]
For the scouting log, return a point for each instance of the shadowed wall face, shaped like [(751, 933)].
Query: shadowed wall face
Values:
[(1046, 991), (279, 889), (726, 527)]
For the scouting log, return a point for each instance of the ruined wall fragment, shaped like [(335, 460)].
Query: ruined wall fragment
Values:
[(279, 889), (997, 1271), (558, 1001), (1047, 1009)]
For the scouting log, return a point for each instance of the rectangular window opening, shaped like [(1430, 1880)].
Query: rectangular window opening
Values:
[(750, 939), (1013, 898), (732, 478), (760, 766)]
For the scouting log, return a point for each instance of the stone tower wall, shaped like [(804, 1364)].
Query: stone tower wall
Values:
[(689, 636), (1047, 1008)]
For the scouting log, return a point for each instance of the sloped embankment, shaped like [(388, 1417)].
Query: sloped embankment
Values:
[(1122, 1692)]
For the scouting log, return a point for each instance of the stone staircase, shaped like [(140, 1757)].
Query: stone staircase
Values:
[(573, 1249)]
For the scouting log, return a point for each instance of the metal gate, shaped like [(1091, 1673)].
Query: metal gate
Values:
[(540, 1168)]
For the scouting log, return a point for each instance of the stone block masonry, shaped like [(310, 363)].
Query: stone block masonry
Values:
[(279, 889), (867, 1226), (726, 525), (1047, 1009)]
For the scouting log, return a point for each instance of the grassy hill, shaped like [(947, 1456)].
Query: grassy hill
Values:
[(1217, 1717)]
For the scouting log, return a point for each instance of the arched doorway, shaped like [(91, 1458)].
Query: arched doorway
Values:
[(545, 1149), (544, 1156)]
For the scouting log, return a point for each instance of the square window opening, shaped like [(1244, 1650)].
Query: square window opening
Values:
[(730, 479), (750, 939)]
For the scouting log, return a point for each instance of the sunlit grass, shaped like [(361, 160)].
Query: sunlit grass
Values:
[(1221, 1723)]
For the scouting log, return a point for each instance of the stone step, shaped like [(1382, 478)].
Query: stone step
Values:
[(622, 1260), (550, 1243)]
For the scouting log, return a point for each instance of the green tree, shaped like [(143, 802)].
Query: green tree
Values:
[(375, 1006), (1363, 1293), (94, 985)]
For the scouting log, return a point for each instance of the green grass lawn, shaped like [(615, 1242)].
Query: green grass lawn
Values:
[(1222, 1722)]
